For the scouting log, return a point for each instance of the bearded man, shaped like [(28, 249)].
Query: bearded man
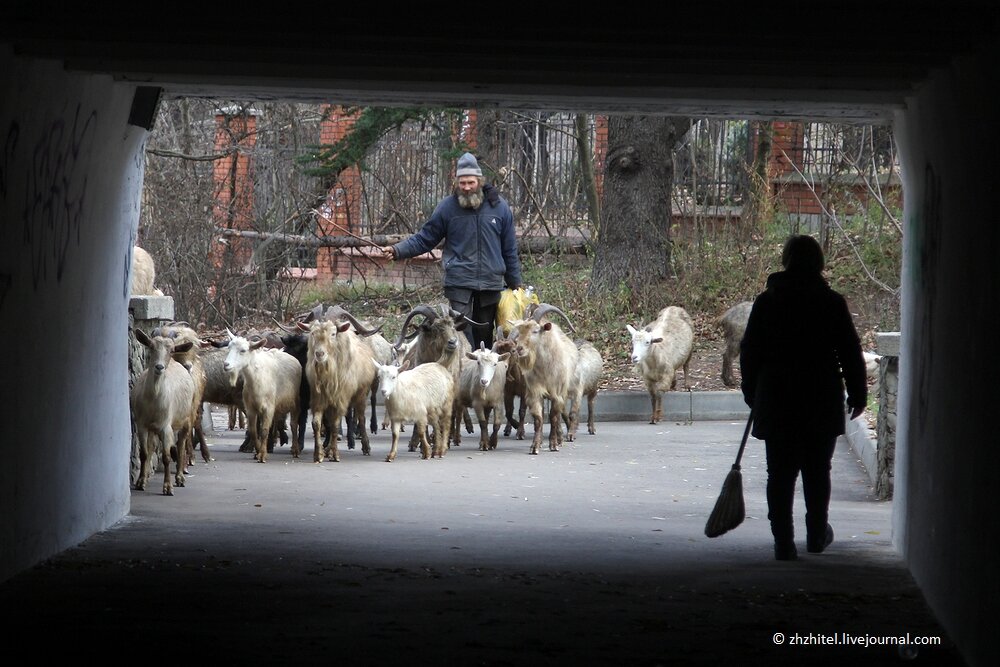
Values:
[(480, 248)]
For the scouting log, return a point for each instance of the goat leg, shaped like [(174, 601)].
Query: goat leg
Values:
[(555, 427), (590, 415)]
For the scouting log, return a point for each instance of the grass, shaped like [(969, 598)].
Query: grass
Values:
[(710, 276)]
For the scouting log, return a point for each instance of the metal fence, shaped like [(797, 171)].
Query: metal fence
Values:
[(407, 174), (535, 154)]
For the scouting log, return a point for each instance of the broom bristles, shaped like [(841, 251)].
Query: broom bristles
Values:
[(729, 510)]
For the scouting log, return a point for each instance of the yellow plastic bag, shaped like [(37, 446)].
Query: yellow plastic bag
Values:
[(513, 303)]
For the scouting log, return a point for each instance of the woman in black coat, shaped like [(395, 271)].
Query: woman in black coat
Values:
[(799, 349)]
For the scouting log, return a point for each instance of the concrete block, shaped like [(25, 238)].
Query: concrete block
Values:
[(622, 406), (152, 307), (887, 343)]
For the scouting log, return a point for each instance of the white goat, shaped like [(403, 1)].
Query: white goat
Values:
[(439, 326), (548, 358), (271, 381), (382, 350), (589, 369), (659, 349), (481, 387), (422, 395), (340, 376), (143, 273), (160, 400), (191, 359)]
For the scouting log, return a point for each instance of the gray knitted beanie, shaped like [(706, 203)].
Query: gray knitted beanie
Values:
[(468, 166)]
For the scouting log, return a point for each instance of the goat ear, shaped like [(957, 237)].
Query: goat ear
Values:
[(141, 336), (503, 357), (258, 343), (343, 327), (376, 364), (658, 339), (472, 356), (183, 347), (547, 326), (631, 329)]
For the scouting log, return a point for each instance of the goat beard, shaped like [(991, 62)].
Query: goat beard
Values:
[(473, 200)]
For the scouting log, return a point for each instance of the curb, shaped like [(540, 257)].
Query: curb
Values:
[(688, 406), (718, 405), (677, 406)]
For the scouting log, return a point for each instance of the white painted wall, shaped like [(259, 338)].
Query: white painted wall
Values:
[(70, 179)]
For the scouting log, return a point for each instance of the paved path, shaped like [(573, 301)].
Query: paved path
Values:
[(591, 555)]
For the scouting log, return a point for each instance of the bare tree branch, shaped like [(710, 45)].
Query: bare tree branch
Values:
[(525, 244), (833, 217), (193, 158)]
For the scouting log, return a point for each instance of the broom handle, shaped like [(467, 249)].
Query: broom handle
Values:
[(743, 444)]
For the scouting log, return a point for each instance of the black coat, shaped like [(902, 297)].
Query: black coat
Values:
[(799, 349)]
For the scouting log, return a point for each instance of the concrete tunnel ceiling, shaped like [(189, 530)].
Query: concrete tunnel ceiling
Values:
[(779, 63)]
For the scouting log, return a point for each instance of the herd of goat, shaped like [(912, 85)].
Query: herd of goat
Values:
[(334, 367)]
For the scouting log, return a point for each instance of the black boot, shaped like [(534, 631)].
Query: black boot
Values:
[(785, 550), (814, 546)]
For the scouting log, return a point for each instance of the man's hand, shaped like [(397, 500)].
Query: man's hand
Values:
[(388, 252)]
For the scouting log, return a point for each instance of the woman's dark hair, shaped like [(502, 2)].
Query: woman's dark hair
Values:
[(802, 253)]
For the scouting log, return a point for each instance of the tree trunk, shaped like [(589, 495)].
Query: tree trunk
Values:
[(633, 247), (759, 203), (486, 142), (586, 153)]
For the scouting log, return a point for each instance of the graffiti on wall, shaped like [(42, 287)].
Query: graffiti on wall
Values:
[(6, 159), (55, 193)]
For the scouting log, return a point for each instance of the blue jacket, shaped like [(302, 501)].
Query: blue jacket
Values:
[(480, 250)]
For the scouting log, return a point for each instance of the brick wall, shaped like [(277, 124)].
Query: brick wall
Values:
[(342, 213), (235, 136)]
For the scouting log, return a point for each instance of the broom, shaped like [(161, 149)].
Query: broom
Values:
[(729, 510)]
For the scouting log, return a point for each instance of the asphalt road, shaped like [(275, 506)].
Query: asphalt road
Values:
[(594, 554)]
